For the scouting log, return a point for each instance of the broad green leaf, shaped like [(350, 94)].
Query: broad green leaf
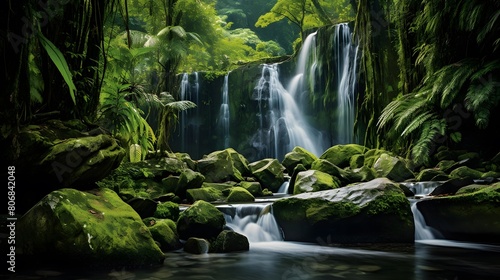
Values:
[(57, 57)]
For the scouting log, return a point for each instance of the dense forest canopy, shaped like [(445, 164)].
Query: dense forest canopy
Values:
[(429, 68)]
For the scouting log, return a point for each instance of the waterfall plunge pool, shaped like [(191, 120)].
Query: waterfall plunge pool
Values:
[(294, 261)]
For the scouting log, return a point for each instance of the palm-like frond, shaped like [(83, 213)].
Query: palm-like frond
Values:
[(429, 136)]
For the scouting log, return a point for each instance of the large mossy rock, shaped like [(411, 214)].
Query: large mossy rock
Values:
[(298, 156), (239, 194), (74, 227), (150, 178), (469, 216), (195, 245), (340, 155), (164, 231), (202, 220), (269, 172), (392, 168), (60, 154), (375, 211), (313, 181), (188, 179), (205, 193), (220, 166), (466, 172), (229, 241)]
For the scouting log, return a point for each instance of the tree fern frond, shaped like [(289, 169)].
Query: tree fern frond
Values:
[(460, 75), (417, 122), (408, 112), (429, 136)]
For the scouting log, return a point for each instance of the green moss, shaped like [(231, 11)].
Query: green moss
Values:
[(206, 193), (97, 228), (167, 210), (331, 211), (392, 202), (239, 194)]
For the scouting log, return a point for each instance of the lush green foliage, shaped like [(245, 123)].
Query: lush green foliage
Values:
[(457, 50), (307, 14)]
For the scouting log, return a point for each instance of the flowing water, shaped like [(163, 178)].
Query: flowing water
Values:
[(190, 119), (347, 55), (224, 112), (270, 258), (282, 124)]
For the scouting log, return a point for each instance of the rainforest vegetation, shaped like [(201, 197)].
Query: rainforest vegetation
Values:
[(430, 70)]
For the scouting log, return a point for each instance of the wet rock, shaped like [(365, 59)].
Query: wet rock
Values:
[(239, 194), (313, 181), (392, 168), (298, 156), (230, 241), (253, 187), (167, 210), (469, 216), (451, 186), (375, 211), (219, 167), (74, 227), (206, 193), (340, 155), (164, 231), (202, 220), (196, 245), (269, 172)]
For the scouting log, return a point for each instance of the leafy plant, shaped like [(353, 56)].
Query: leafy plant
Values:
[(119, 114)]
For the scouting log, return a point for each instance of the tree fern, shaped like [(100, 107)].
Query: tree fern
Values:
[(428, 139)]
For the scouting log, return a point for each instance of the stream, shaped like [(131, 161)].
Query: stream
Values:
[(271, 258)]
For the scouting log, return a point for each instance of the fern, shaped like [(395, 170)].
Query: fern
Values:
[(429, 136)]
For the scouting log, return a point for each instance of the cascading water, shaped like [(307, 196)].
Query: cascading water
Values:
[(189, 120), (347, 55), (224, 112), (305, 70), (282, 124), (421, 189), (255, 221)]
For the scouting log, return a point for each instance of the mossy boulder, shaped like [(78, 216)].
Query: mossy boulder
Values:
[(470, 216), (269, 172), (429, 174), (95, 228), (229, 241), (239, 194), (164, 231), (466, 172), (298, 156), (239, 162), (340, 155), (167, 210), (357, 161), (375, 211), (60, 154), (188, 179), (201, 219), (253, 187), (196, 245), (169, 183), (219, 167), (205, 193), (392, 168), (313, 181)]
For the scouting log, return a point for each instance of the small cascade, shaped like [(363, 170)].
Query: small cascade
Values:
[(282, 124), (255, 221), (421, 190), (284, 187), (346, 52), (224, 113)]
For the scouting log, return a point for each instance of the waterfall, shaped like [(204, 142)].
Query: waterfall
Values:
[(422, 189), (224, 112), (282, 124), (190, 119), (255, 221), (347, 55), (306, 57)]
